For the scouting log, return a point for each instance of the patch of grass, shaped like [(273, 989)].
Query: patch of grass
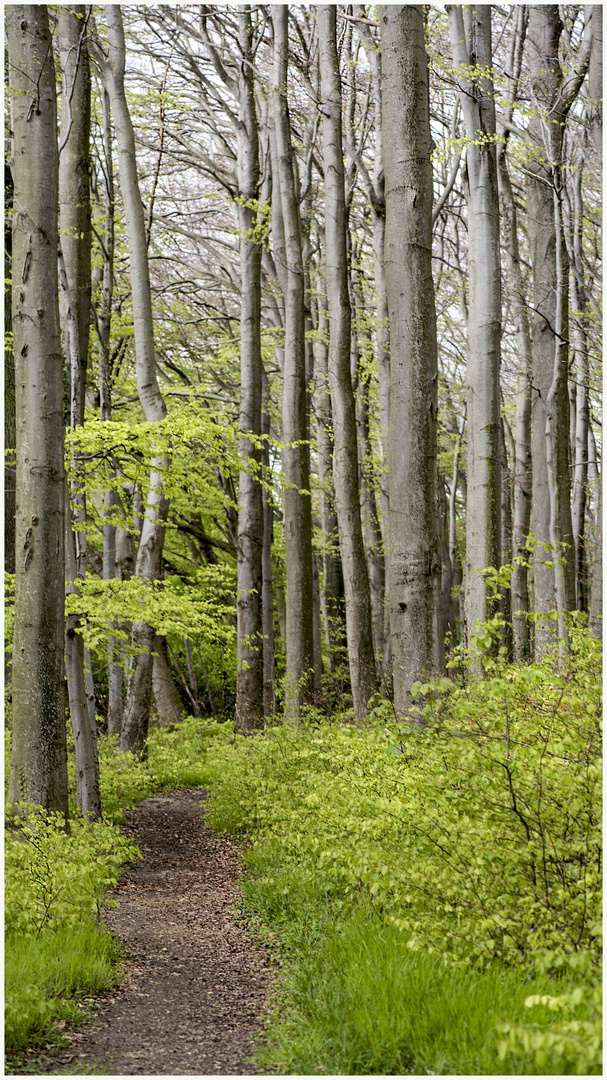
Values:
[(354, 999), (48, 976)]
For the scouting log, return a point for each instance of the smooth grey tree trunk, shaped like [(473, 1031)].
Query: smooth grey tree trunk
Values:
[(361, 657), (269, 693), (75, 279), (166, 698), (470, 31), (332, 589), (297, 521), (250, 677), (554, 585), (519, 586), (38, 771), (415, 556), (103, 326), (149, 556)]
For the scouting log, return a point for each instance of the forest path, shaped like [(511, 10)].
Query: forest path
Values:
[(195, 990)]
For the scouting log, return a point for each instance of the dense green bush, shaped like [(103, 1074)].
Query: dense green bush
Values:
[(56, 947), (475, 833)]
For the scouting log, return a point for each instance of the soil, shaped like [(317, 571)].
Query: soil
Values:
[(196, 986)]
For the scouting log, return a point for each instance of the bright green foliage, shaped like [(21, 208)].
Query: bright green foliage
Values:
[(362, 1003), (475, 834), (56, 946), (172, 606), (54, 878), (176, 758)]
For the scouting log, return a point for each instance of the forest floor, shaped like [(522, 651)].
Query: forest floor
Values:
[(196, 985)]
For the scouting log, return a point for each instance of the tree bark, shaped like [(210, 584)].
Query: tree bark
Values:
[(75, 279), (415, 556), (149, 556), (296, 455), (471, 45), (519, 586), (347, 496), (166, 698), (250, 682), (38, 772), (553, 96)]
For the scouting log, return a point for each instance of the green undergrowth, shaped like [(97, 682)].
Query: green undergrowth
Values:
[(57, 950), (433, 890)]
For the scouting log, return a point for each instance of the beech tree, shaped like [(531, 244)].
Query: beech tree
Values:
[(75, 280), (38, 772), (470, 31), (361, 378), (296, 454), (149, 556), (250, 696), (345, 455), (415, 558)]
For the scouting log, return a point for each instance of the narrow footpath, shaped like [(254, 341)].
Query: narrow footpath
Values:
[(196, 985)]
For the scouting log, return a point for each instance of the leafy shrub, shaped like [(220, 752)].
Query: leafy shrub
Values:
[(475, 833)]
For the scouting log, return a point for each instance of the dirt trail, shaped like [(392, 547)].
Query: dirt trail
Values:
[(194, 997)]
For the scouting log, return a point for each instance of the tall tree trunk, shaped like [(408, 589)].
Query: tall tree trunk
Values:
[(111, 498), (347, 497), (519, 587), (9, 386), (75, 279), (415, 556), (296, 454), (471, 44), (269, 694), (332, 592), (554, 583), (249, 691), (581, 412), (38, 772), (149, 556)]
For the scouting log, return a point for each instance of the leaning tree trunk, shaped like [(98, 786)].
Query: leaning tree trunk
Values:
[(415, 555), (38, 772), (347, 496), (75, 279), (250, 681), (471, 45), (148, 567), (296, 454)]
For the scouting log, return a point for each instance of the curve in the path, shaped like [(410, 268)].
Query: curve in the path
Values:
[(194, 997)]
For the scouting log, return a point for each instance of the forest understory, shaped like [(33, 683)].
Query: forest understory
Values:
[(195, 984)]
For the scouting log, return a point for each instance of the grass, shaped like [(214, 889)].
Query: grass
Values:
[(354, 999), (48, 977)]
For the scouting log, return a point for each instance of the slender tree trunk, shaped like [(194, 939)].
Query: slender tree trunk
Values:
[(296, 455), (75, 279), (9, 388), (471, 44), (332, 592), (347, 497), (149, 557), (519, 588), (249, 692), (111, 499), (38, 772), (551, 511), (269, 695), (415, 556)]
